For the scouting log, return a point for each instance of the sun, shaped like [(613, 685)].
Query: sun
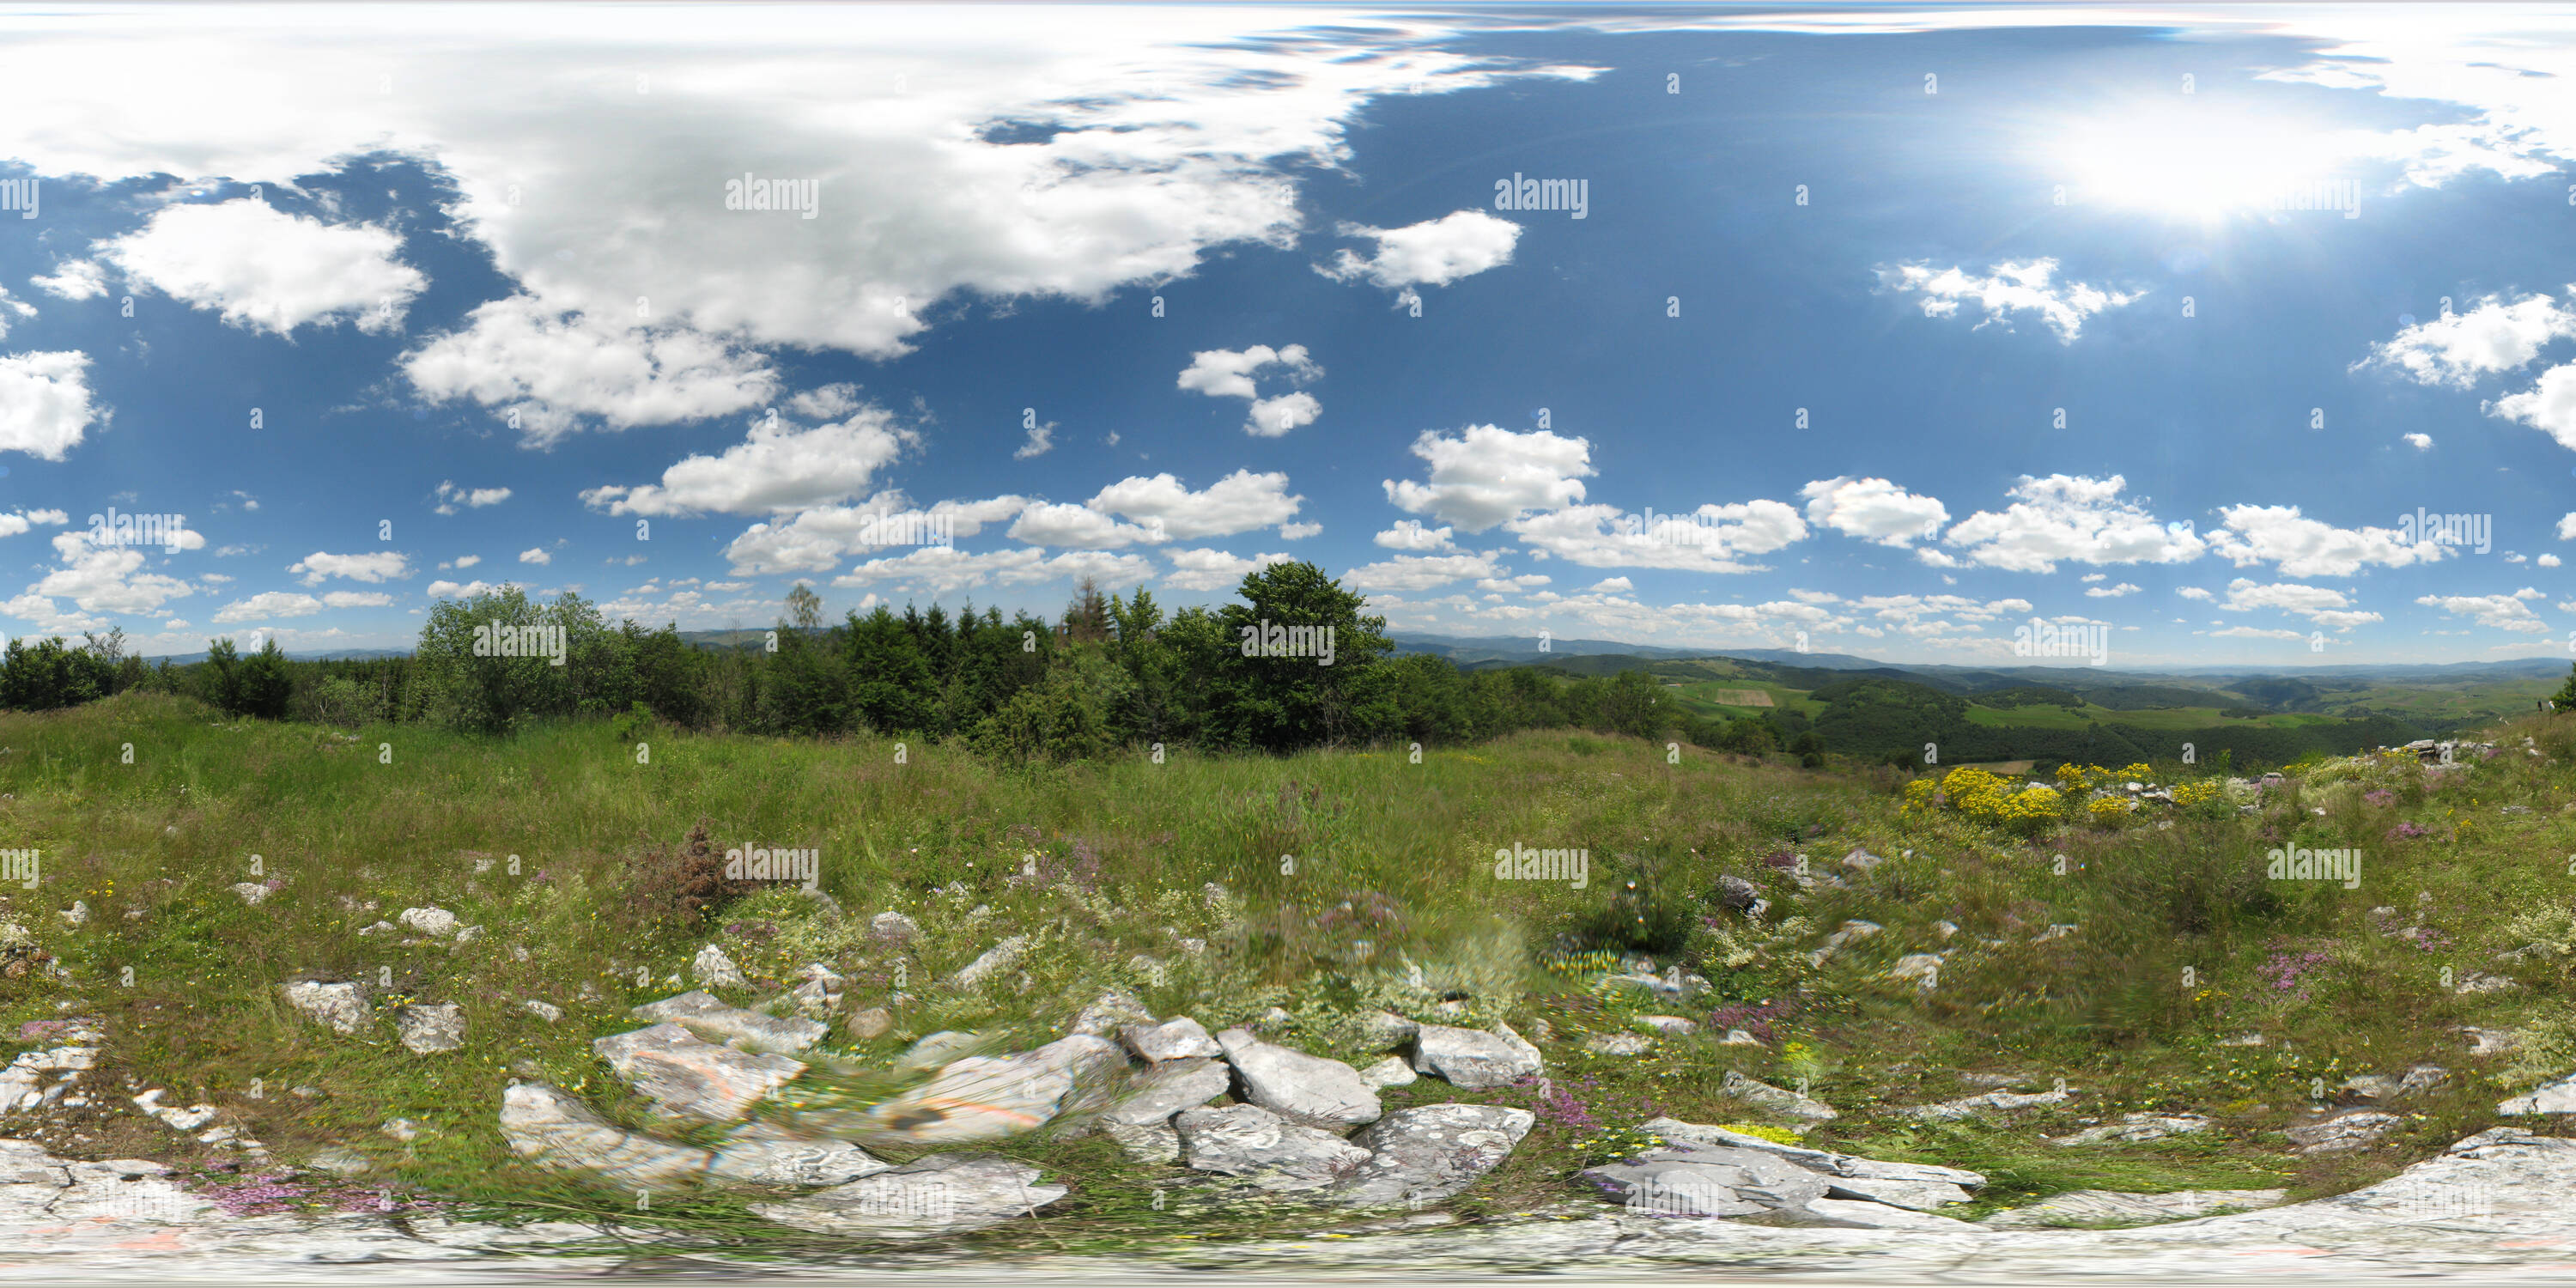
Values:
[(2197, 162)]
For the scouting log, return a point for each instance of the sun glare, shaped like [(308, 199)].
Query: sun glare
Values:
[(2199, 165)]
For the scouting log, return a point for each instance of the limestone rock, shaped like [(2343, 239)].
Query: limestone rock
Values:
[(1271, 1152), (552, 1129), (1777, 1100), (2136, 1128), (1472, 1059), (894, 926), (693, 1079), (1431, 1152), (1705, 1180), (1109, 1013), (2553, 1098), (983, 1097), (428, 1030), (1141, 1121), (2343, 1132), (1298, 1086), (1979, 1106), (2103, 1207), (546, 1011), (871, 1024), (1618, 1043), (933, 1195), (1389, 1072), (1179, 1038), (1668, 1025), (761, 1154), (1825, 1162), (342, 1006), (703, 1014), (995, 959), (712, 968)]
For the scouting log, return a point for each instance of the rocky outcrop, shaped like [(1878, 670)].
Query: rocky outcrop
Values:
[(1265, 1149), (703, 1014), (1141, 1120), (763, 1154), (342, 1006), (986, 1097), (2137, 1128), (2107, 1207), (550, 1128), (1473, 1059), (429, 1030), (1181, 1038), (1777, 1100), (691, 1079), (1430, 1153)]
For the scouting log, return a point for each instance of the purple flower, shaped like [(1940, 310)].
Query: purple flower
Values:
[(2379, 797)]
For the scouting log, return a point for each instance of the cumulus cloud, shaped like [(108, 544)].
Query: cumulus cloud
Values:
[(75, 279), (776, 469), (1409, 534), (535, 555), (265, 270), (2456, 349), (267, 604), (818, 539), (941, 570), (553, 372), (2548, 406), (375, 566), (1229, 373), (356, 599), (2316, 603), (2110, 592), (2305, 547), (1432, 253), (1204, 569), (1873, 510), (1709, 539), (468, 590), (1239, 502), (11, 307), (1420, 572), (45, 403), (2005, 290), (2500, 612), (13, 523), (2070, 518), (451, 496), (1487, 475)]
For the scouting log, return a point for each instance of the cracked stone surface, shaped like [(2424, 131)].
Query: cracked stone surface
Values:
[(1472, 1058), (1299, 1086), (2133, 1128), (1431, 1152), (1180, 1038), (1141, 1121), (429, 1030), (2106, 1206), (1266, 1149), (986, 1097), (552, 1129), (702, 1013), (342, 1006), (933, 1195)]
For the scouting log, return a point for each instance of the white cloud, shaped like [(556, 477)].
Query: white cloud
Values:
[(1435, 252), (450, 496), (2567, 528), (452, 590), (2006, 289), (2548, 406), (2258, 633), (1204, 569), (1228, 373), (356, 598), (460, 562), (2547, 561), (11, 524), (75, 279), (45, 403), (2458, 348), (274, 603), (2110, 592), (1409, 534), (105, 579), (1873, 510), (1239, 502), (941, 570), (1420, 572), (776, 469), (1298, 531), (2500, 612), (2316, 603), (1609, 585), (2305, 547), (1488, 475), (10, 307), (1709, 539), (1041, 440), (2192, 592), (2420, 442), (557, 371), (1081, 527), (535, 555), (818, 539), (266, 270), (381, 565), (2067, 517)]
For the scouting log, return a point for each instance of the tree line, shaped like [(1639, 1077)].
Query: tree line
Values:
[(1112, 673)]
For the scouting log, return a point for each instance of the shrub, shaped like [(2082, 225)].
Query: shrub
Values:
[(680, 887)]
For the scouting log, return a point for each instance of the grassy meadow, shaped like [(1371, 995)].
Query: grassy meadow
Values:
[(1349, 881)]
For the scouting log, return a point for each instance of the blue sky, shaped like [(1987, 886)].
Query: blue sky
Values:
[(409, 307)]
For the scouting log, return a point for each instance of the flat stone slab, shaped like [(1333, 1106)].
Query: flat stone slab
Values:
[(933, 1195), (987, 1097), (711, 1018), (2100, 1207), (2343, 1132), (1272, 1152), (1472, 1058), (430, 1030), (1918, 1196), (1180, 1038), (1777, 1100), (1141, 1121), (2137, 1128), (2553, 1098), (759, 1154), (551, 1128), (1298, 1086), (689, 1078), (1992, 1102), (341, 1006), (1825, 1162), (1431, 1152)]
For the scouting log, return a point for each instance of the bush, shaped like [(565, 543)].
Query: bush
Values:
[(677, 888)]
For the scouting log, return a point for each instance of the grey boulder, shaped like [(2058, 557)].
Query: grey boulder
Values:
[(933, 1195), (1473, 1059), (1305, 1088), (1429, 1153), (1272, 1152), (703, 1014), (690, 1079), (554, 1130)]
